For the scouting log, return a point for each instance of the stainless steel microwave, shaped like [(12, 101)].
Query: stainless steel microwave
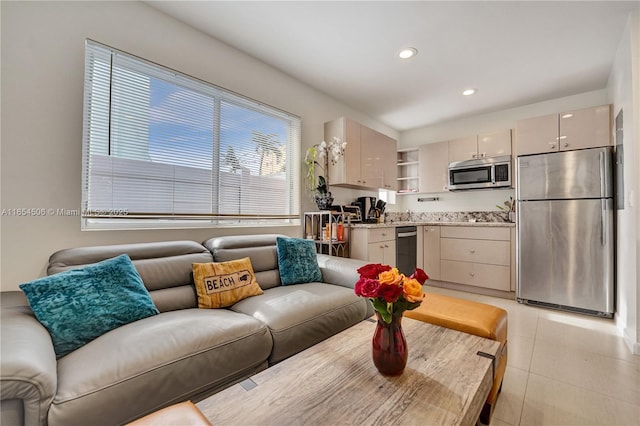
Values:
[(482, 173)]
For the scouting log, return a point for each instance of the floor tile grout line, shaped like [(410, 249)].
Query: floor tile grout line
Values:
[(582, 388), (526, 385), (595, 391)]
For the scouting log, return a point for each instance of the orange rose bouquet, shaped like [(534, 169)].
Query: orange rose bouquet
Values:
[(390, 292)]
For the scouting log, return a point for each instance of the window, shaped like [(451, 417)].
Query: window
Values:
[(165, 150)]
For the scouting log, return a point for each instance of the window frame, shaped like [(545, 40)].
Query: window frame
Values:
[(93, 218)]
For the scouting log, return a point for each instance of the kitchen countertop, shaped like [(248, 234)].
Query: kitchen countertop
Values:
[(437, 223)]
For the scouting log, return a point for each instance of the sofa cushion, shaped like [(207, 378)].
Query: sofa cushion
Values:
[(222, 284), (165, 267), (81, 304), (297, 261), (157, 361), (302, 315)]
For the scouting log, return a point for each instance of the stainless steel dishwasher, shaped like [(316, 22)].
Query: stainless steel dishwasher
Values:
[(406, 249)]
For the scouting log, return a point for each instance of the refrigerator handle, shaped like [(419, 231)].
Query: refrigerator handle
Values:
[(603, 222), (603, 182)]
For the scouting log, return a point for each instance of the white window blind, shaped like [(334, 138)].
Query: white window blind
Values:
[(162, 149)]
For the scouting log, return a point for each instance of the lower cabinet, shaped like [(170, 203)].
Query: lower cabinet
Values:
[(478, 256), (471, 255), (375, 245), (431, 244)]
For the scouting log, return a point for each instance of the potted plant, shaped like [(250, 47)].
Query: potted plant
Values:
[(511, 209), (319, 156)]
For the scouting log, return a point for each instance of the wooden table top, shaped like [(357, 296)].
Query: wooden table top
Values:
[(335, 383)]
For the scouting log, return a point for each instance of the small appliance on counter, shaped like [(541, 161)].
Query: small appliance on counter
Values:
[(367, 209)]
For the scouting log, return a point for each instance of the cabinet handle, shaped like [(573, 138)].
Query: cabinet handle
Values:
[(553, 144), (472, 274), (384, 235), (386, 246), (472, 251), (566, 144)]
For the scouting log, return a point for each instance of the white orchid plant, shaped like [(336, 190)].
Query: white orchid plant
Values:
[(319, 155)]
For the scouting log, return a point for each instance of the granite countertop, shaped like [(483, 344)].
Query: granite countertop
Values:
[(497, 219), (439, 223)]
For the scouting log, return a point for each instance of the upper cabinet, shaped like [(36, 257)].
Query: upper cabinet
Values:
[(480, 146), (366, 161), (348, 170), (434, 163), (576, 129)]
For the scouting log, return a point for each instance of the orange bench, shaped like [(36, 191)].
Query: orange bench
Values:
[(182, 414), (474, 318)]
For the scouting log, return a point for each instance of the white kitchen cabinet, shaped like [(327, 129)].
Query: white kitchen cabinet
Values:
[(374, 245), (434, 163), (431, 251), (347, 171), (388, 151), (477, 256), (495, 144), (537, 135), (575, 129), (483, 145), (420, 247), (371, 157), (585, 128), (476, 274), (463, 149), (367, 161), (513, 258)]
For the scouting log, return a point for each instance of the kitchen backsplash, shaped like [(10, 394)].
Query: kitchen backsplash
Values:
[(486, 216)]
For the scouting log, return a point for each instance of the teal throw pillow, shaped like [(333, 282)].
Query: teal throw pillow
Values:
[(297, 261), (79, 305)]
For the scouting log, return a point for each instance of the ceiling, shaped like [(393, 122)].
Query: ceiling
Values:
[(514, 53)]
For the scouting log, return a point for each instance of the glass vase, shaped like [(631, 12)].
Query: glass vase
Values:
[(389, 346)]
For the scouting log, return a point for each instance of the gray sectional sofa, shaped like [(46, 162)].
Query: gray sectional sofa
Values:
[(182, 353)]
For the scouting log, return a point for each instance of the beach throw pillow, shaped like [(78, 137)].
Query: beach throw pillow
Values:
[(79, 305), (222, 284), (297, 261)]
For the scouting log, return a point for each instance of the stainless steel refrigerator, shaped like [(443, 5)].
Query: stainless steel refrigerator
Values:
[(565, 231)]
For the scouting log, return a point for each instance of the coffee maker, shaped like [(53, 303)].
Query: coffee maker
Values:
[(367, 208)]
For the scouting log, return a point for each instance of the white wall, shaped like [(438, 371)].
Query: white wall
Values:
[(485, 123), (623, 90), (41, 135)]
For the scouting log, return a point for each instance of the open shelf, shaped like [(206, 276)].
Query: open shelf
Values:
[(314, 224)]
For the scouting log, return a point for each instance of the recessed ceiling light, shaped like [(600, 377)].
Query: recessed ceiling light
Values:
[(407, 52), (469, 92)]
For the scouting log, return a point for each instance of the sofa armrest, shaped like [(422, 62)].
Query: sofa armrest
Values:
[(27, 365), (343, 272), (339, 270)]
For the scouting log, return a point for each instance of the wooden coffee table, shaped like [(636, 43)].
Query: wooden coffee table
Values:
[(335, 383)]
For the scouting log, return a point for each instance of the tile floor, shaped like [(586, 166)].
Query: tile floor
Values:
[(563, 369)]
